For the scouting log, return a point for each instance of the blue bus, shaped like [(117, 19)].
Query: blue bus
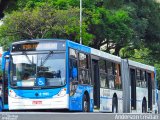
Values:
[(61, 74)]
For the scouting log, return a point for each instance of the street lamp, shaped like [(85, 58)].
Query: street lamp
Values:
[(80, 21)]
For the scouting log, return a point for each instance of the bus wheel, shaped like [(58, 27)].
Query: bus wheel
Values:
[(114, 105), (85, 103), (144, 107)]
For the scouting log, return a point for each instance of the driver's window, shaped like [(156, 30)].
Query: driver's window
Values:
[(73, 71), (73, 65)]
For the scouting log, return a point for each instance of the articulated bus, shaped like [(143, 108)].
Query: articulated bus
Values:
[(61, 74)]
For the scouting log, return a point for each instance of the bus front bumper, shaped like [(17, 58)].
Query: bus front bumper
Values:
[(50, 103)]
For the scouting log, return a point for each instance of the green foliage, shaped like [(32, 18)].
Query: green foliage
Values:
[(43, 22), (129, 28)]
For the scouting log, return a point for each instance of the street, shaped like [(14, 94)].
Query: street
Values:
[(74, 116)]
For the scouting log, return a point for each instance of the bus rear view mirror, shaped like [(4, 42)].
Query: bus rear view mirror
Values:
[(7, 57)]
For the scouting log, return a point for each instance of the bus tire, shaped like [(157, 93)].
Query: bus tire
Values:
[(114, 105), (144, 107), (85, 103)]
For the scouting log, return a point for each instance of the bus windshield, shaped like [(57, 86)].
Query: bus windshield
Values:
[(38, 70)]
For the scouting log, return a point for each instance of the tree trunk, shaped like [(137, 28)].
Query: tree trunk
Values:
[(117, 49)]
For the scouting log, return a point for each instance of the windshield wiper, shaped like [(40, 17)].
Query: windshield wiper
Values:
[(46, 58), (27, 57)]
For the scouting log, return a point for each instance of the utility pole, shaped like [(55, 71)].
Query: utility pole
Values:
[(80, 21)]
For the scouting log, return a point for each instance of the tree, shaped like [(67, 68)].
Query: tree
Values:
[(120, 27), (43, 22), (111, 28)]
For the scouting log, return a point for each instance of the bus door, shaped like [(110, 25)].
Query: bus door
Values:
[(96, 83), (5, 81), (133, 89), (149, 90)]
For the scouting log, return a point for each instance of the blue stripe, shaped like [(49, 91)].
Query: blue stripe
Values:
[(78, 47), (5, 107), (67, 68), (3, 59), (110, 98)]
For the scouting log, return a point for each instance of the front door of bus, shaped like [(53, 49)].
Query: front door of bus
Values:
[(5, 83), (95, 75)]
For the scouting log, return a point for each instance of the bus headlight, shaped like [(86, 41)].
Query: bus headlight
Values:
[(13, 94), (62, 92)]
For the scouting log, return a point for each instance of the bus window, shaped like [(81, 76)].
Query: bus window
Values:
[(84, 77), (140, 78), (73, 71), (103, 74), (110, 73), (102, 66), (153, 87), (143, 79), (153, 82), (50, 66), (73, 65), (118, 82), (72, 53), (138, 81), (83, 60)]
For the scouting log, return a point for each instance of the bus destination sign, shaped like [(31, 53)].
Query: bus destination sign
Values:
[(29, 46), (38, 46)]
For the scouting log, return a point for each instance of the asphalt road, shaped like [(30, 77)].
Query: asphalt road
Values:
[(74, 116)]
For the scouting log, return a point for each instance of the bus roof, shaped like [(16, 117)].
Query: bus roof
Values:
[(105, 55), (33, 40), (140, 65), (95, 52)]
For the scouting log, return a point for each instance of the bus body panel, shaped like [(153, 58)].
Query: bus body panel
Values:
[(60, 98), (55, 98), (37, 99), (76, 99), (141, 94), (79, 47), (51, 103), (35, 94), (105, 55), (106, 96)]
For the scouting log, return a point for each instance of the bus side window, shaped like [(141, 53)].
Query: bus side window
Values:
[(143, 79), (73, 71), (118, 82), (84, 77), (103, 74), (138, 81), (73, 68), (110, 74)]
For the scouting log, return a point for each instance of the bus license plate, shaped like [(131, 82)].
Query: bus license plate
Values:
[(36, 102)]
